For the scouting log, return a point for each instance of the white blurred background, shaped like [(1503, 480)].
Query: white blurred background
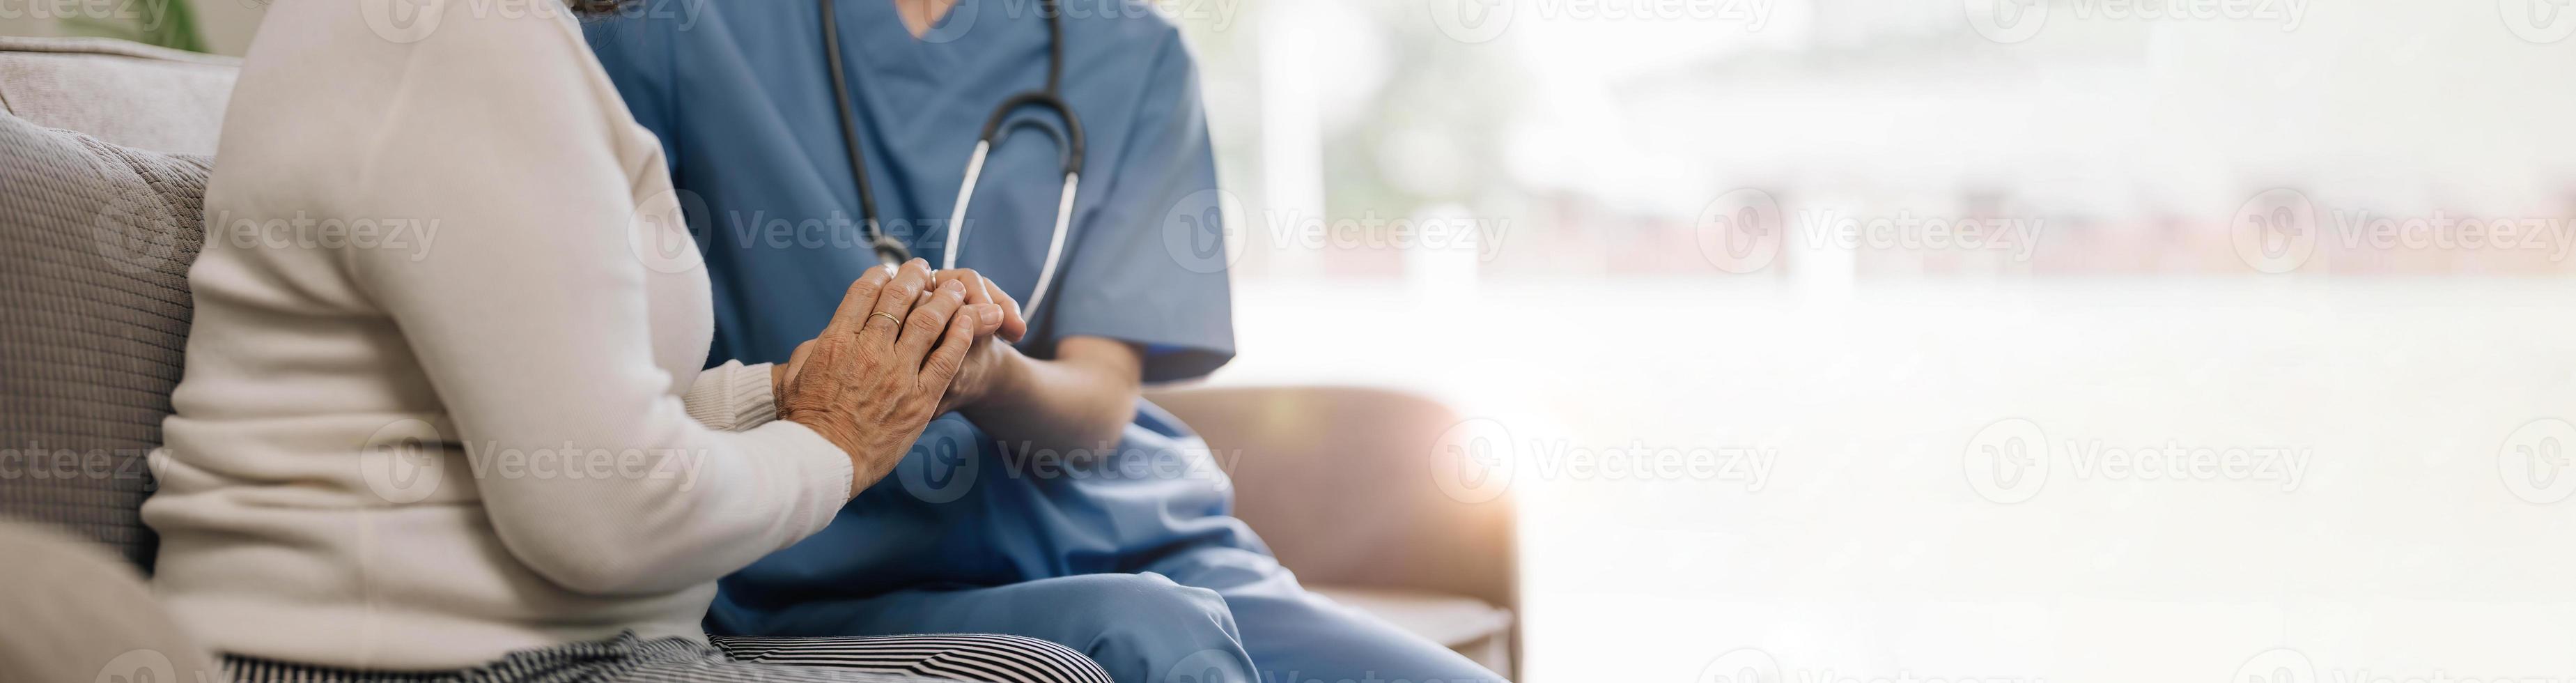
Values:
[(2246, 234)]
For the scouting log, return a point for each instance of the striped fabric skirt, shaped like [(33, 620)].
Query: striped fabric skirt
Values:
[(987, 658)]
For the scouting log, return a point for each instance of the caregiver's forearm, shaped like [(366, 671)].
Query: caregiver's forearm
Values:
[(1083, 397)]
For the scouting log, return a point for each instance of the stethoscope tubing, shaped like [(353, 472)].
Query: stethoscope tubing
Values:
[(1069, 142)]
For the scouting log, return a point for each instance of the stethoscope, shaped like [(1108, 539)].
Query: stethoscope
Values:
[(1068, 141)]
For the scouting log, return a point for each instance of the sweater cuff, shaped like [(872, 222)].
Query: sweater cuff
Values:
[(822, 471), (732, 397)]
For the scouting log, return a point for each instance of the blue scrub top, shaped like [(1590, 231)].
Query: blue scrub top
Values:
[(739, 94)]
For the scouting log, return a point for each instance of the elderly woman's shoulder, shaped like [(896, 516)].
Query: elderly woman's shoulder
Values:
[(410, 26)]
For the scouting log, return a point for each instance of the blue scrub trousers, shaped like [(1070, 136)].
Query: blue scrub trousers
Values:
[(1130, 557)]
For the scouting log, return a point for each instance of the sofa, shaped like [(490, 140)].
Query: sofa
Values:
[(98, 224)]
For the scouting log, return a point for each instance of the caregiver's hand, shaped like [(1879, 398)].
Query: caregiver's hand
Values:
[(990, 360), (873, 379), (982, 291)]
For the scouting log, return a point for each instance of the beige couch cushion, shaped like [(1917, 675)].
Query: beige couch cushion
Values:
[(120, 92), (95, 242), (105, 147)]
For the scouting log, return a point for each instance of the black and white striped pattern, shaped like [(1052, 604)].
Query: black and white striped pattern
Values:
[(626, 659), (950, 656)]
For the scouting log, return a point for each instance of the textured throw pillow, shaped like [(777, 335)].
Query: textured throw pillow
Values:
[(95, 242)]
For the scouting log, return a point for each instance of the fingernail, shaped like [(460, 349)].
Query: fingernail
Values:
[(889, 269), (951, 286), (991, 315)]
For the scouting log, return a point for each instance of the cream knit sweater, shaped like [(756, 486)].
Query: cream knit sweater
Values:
[(442, 398)]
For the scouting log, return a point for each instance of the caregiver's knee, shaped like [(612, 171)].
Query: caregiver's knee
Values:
[(1143, 627), (1121, 609)]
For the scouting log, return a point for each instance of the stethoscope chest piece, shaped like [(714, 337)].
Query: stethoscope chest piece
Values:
[(890, 251)]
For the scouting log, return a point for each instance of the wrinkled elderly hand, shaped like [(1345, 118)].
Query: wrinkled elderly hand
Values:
[(875, 376)]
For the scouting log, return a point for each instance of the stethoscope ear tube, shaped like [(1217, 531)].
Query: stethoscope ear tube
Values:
[(1072, 139), (975, 174), (1069, 141), (887, 249), (965, 196), (1055, 246), (1055, 241)]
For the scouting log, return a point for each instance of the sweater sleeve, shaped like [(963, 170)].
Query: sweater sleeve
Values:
[(732, 397), (528, 314)]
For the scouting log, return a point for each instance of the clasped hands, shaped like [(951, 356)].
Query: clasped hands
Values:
[(906, 345)]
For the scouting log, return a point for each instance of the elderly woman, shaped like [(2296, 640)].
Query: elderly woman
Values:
[(492, 455)]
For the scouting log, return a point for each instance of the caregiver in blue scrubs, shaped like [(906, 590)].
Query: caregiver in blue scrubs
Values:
[(1054, 503)]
